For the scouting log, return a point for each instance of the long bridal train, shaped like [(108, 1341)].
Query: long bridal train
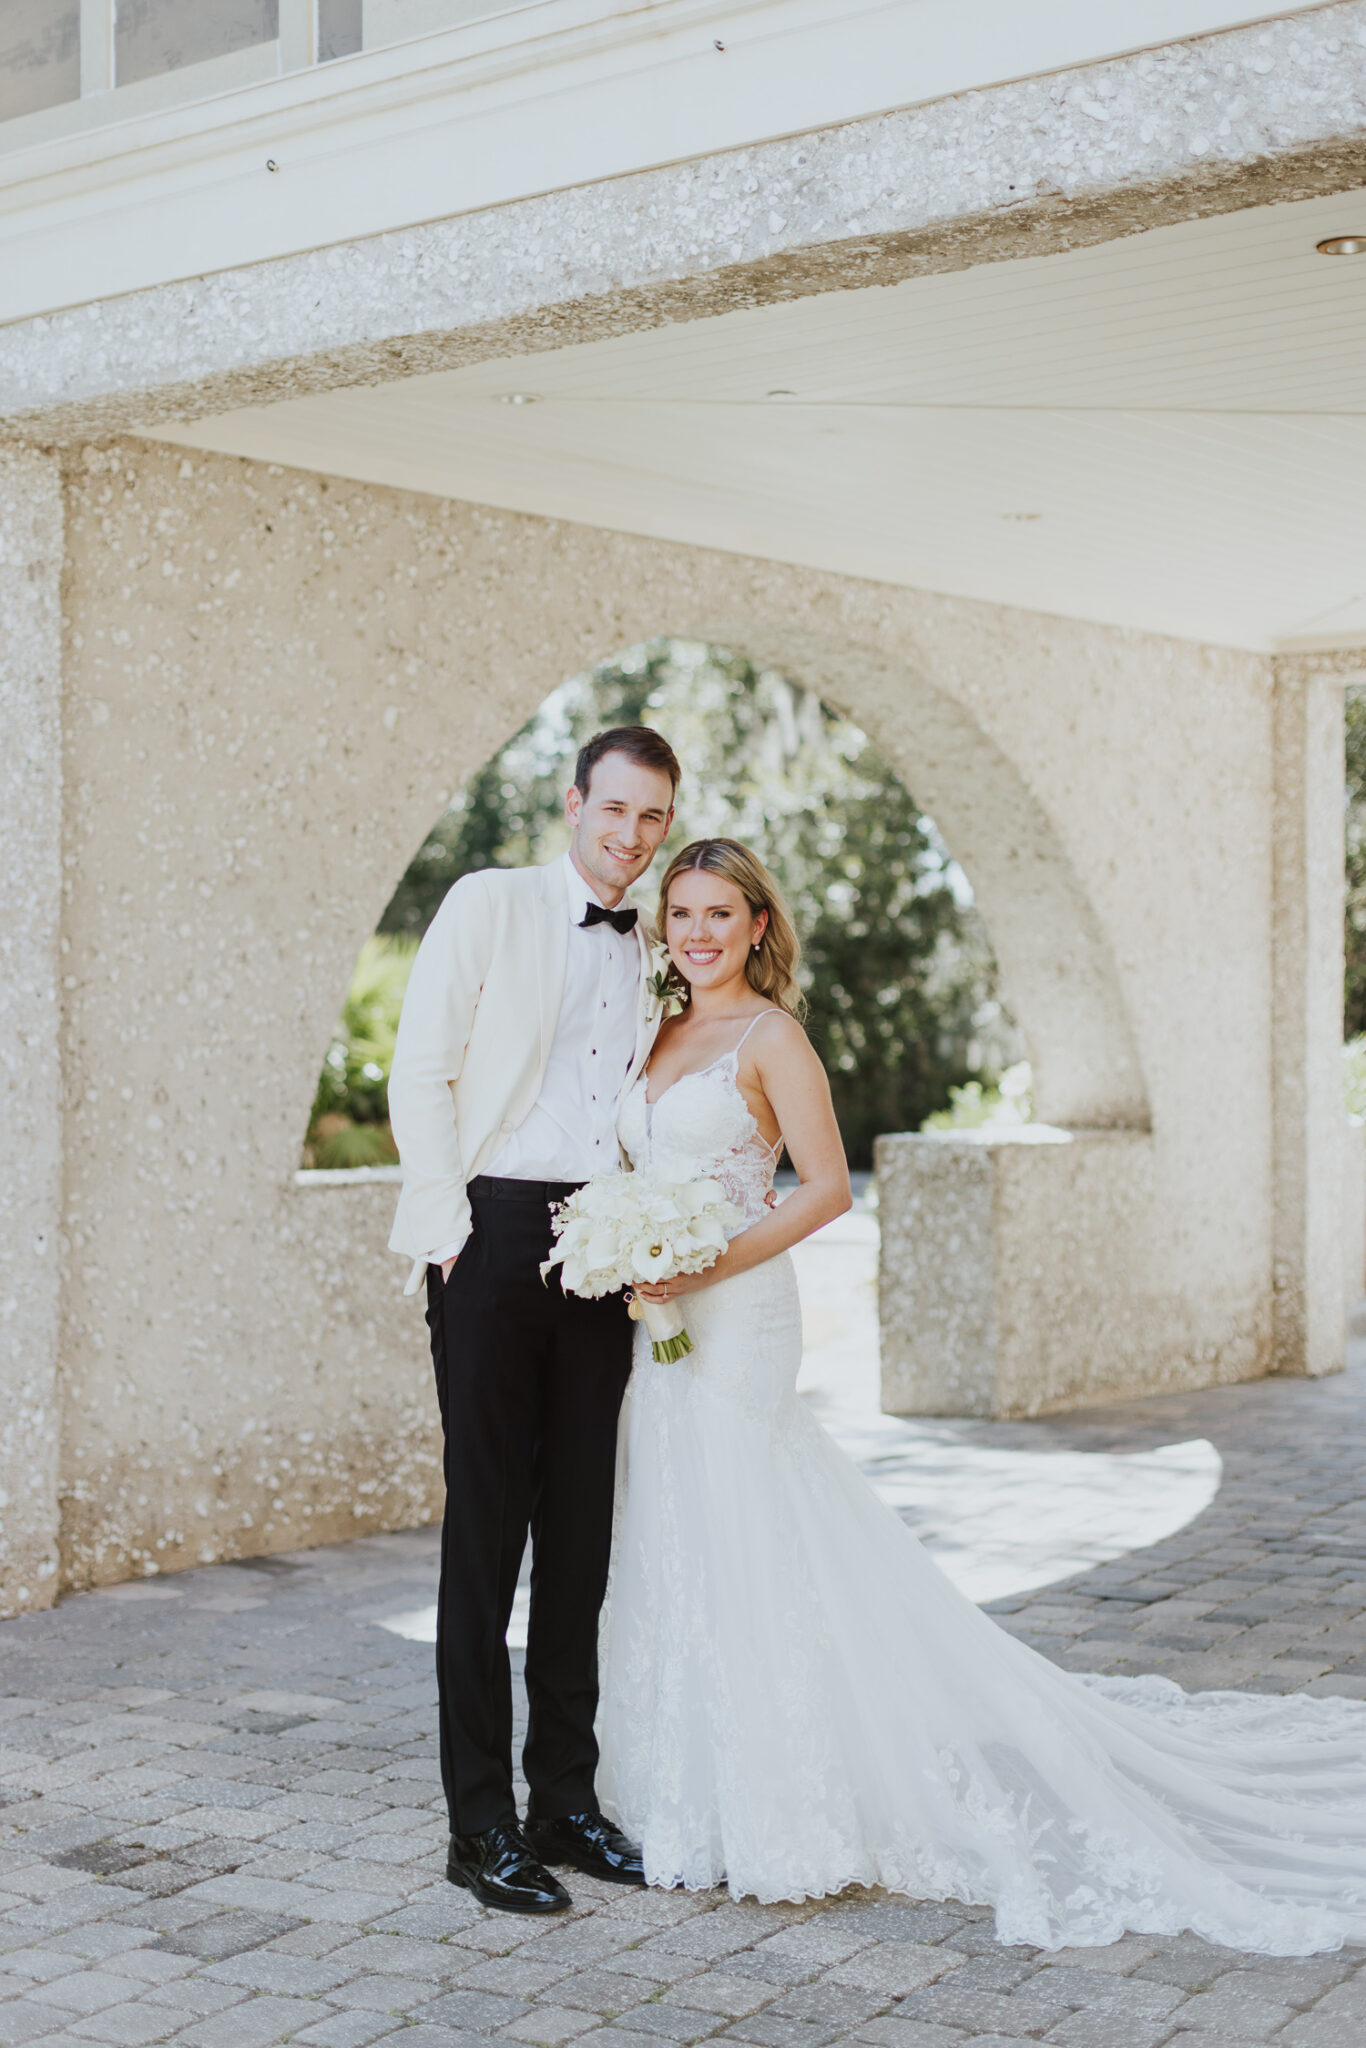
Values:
[(795, 1699)]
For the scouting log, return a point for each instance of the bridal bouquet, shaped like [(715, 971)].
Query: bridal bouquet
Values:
[(619, 1229)]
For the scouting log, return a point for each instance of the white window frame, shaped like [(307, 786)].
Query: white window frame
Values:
[(103, 100)]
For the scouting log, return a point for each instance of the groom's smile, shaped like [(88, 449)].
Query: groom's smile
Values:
[(618, 822)]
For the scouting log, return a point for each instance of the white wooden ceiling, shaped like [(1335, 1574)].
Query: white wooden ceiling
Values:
[(1166, 432)]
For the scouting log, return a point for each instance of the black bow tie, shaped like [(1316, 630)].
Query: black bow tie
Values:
[(620, 920)]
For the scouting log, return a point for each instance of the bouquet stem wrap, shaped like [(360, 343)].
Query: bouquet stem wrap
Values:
[(669, 1341), (620, 1230)]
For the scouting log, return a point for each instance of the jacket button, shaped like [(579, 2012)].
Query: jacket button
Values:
[(505, 1126)]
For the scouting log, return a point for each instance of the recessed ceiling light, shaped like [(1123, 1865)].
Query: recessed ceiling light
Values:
[(1342, 245), (782, 394), (519, 398)]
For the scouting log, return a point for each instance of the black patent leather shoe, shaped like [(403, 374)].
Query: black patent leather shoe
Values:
[(590, 1843), (502, 1869)]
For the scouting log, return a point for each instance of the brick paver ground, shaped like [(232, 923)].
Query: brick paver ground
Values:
[(222, 1822)]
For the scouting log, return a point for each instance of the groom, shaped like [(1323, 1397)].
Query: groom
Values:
[(525, 1015)]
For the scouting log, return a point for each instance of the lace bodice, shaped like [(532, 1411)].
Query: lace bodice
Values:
[(701, 1128)]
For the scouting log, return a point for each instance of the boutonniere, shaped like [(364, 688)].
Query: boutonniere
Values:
[(662, 989)]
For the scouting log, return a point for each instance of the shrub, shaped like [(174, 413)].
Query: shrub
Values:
[(975, 1107), (349, 1121), (1354, 1075)]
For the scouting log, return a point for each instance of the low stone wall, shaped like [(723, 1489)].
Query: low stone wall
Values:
[(296, 1406), (1026, 1271)]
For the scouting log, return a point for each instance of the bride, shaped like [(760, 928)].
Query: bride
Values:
[(794, 1699)]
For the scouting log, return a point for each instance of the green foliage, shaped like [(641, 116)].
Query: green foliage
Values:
[(1354, 1076), (898, 973), (1354, 992), (349, 1122), (335, 1142), (975, 1107), (896, 967)]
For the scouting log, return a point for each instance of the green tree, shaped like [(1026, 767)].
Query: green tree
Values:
[(896, 969), (898, 972)]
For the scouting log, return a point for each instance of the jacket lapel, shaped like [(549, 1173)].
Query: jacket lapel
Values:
[(552, 952), (647, 1009)]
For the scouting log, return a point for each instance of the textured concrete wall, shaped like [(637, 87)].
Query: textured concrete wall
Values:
[(30, 1059), (275, 680), (1018, 1277), (1094, 1284), (937, 1276)]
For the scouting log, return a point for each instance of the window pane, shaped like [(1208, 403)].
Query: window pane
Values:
[(339, 28), (162, 35), (40, 55)]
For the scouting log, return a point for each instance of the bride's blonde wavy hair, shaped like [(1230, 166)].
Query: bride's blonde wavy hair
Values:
[(771, 966)]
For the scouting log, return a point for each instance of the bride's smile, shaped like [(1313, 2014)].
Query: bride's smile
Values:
[(710, 930)]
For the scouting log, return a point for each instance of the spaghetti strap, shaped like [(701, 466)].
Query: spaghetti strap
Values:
[(776, 1147), (745, 1033)]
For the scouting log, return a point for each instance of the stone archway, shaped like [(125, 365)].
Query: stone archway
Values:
[(1058, 956), (1057, 964)]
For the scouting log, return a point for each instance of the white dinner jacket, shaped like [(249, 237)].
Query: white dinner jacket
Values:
[(473, 1041)]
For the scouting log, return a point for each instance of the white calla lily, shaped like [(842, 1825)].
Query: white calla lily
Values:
[(653, 1260)]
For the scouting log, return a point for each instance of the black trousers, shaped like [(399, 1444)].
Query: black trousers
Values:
[(530, 1382)]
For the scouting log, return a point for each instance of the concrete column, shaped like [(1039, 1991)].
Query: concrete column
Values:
[(30, 1069), (1308, 1117)]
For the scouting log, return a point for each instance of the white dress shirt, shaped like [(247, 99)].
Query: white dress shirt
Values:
[(570, 1131)]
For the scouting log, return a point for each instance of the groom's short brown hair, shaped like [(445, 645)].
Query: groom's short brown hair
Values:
[(640, 743)]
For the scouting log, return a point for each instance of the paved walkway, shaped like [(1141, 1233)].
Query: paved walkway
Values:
[(222, 1826)]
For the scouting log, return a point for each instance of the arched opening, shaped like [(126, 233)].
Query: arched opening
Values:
[(899, 973)]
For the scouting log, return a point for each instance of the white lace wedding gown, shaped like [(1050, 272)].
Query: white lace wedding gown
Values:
[(794, 1698)]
